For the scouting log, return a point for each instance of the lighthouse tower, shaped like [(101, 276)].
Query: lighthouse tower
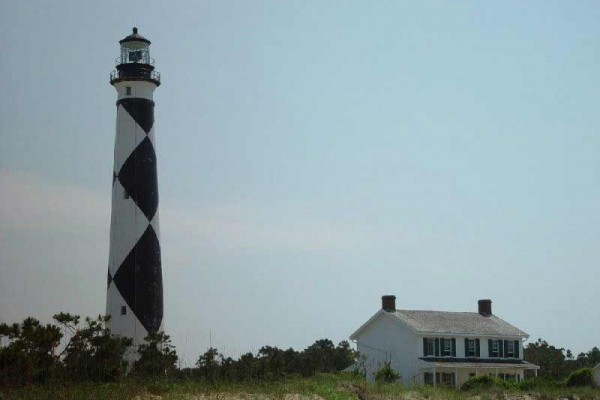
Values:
[(135, 294)]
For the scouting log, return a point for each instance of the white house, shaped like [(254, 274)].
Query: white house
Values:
[(439, 347)]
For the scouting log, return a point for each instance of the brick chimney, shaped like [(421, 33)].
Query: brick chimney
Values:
[(485, 307), (388, 302)]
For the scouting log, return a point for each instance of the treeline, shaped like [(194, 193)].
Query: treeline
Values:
[(558, 363), (274, 363), (31, 356)]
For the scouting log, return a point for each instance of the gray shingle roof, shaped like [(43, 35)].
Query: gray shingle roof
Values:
[(443, 322)]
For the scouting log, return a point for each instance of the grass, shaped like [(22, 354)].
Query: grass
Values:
[(327, 386)]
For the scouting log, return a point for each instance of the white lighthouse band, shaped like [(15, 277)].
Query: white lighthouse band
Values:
[(134, 287)]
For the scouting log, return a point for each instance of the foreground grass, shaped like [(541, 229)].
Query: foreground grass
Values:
[(328, 387)]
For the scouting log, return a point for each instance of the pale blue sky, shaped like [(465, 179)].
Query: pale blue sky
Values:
[(312, 156)]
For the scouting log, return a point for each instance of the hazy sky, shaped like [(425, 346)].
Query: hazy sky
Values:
[(313, 155)]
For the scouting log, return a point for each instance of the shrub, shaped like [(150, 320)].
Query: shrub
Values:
[(485, 382), (539, 383), (387, 374), (157, 356), (581, 377)]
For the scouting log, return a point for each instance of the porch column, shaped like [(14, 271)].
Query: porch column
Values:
[(455, 377), (535, 372), (434, 379)]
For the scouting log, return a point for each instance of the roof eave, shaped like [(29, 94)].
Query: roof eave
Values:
[(468, 334), (367, 324)]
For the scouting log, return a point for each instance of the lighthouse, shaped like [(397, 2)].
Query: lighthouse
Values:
[(134, 297)]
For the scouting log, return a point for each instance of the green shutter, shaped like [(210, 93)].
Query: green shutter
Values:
[(489, 347), (504, 348), (424, 347), (466, 347), (477, 348), (437, 347), (517, 349), (453, 347)]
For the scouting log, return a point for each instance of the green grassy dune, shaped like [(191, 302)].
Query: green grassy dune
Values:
[(327, 386)]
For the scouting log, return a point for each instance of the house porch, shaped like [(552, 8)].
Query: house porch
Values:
[(454, 374)]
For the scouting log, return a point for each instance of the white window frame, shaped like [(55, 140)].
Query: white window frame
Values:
[(446, 350), (510, 349), (495, 348), (427, 342), (471, 348)]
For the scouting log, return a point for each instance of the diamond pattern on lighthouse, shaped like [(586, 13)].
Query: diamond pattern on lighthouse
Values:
[(138, 177), (137, 280), (129, 224), (133, 135), (142, 111), (135, 269)]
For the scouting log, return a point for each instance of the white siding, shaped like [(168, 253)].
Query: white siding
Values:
[(387, 339)]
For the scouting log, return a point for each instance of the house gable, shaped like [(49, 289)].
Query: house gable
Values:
[(379, 315)]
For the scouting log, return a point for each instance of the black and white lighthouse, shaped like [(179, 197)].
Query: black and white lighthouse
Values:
[(135, 293)]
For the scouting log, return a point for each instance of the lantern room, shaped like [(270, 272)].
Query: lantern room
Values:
[(135, 62), (135, 49)]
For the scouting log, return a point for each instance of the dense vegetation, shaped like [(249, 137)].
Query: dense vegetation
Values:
[(558, 363), (93, 355), (338, 386), (91, 364)]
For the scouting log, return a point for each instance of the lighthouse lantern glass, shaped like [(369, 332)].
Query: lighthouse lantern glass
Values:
[(135, 52)]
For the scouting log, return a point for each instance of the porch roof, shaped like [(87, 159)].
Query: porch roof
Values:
[(476, 363)]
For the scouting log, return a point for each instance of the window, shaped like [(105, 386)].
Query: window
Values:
[(128, 90), (445, 379), (507, 377), (447, 347), (441, 378), (439, 347), (428, 347), (472, 348), (510, 349), (495, 348), (123, 310), (135, 56), (428, 378), (498, 348)]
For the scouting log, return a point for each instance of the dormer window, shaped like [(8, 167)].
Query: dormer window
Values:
[(128, 90)]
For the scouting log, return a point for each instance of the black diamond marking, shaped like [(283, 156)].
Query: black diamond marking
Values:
[(142, 111), (139, 280), (138, 177), (109, 280)]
